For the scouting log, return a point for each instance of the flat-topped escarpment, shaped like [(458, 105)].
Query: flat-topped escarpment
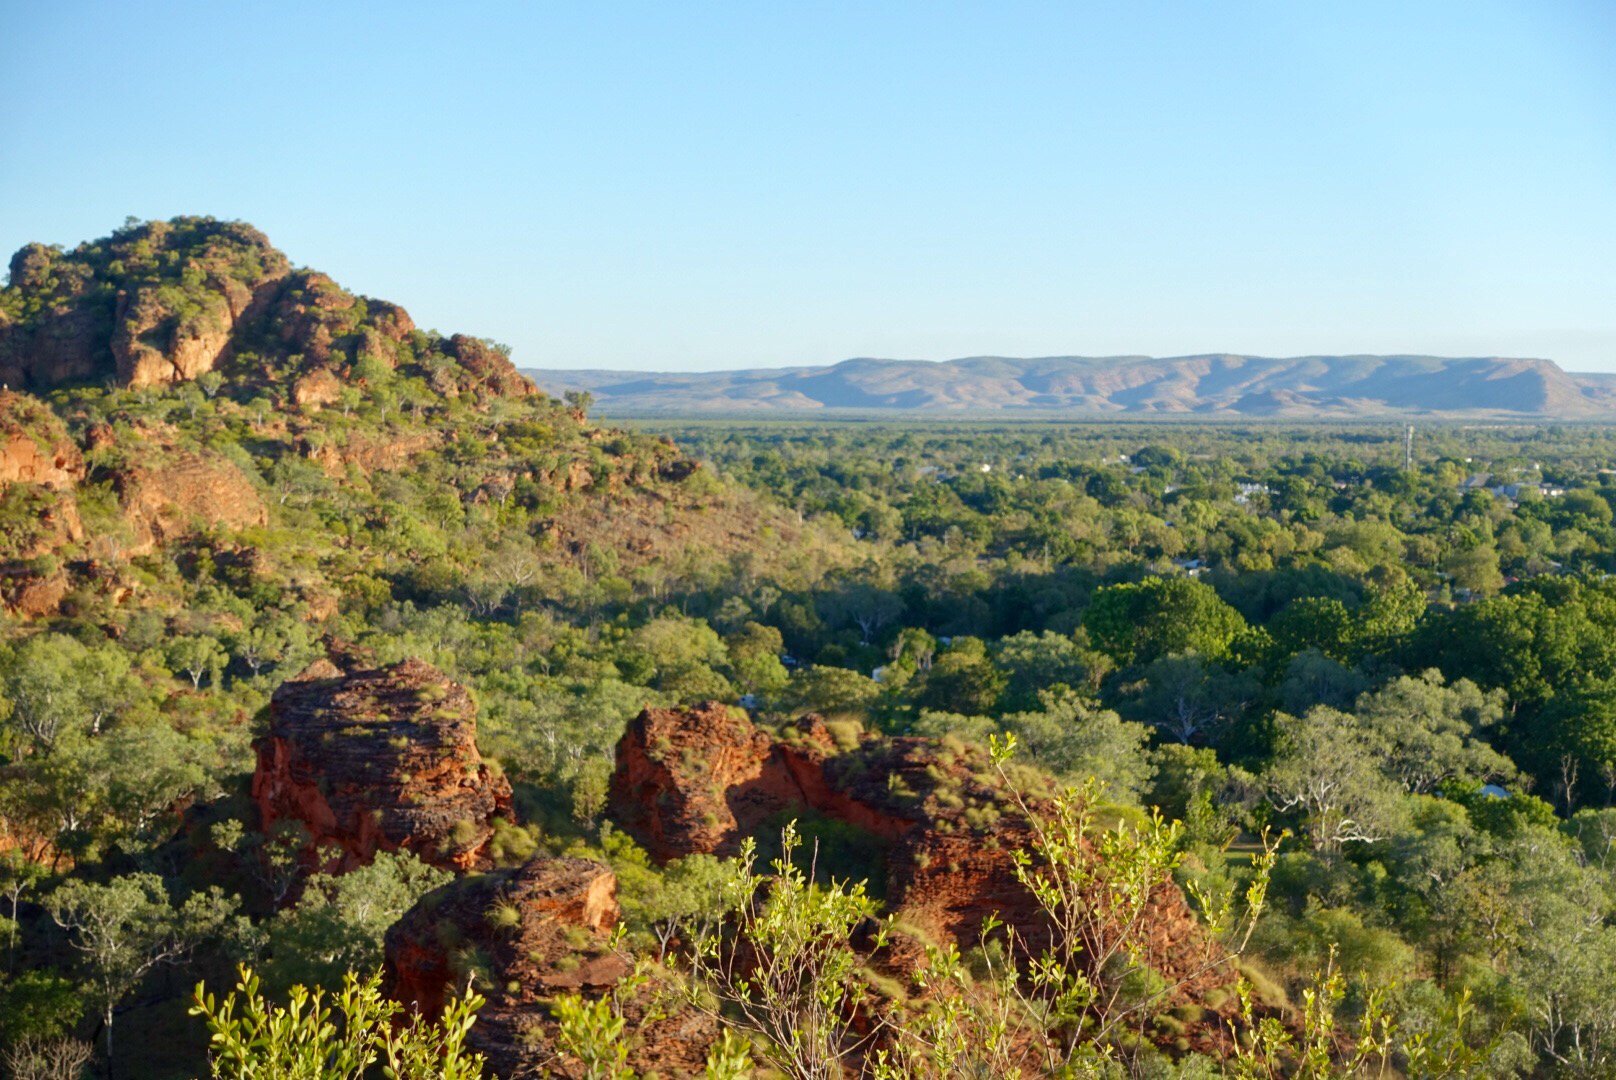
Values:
[(1205, 387)]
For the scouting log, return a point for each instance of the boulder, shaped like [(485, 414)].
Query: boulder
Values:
[(523, 937), (316, 389), (378, 758)]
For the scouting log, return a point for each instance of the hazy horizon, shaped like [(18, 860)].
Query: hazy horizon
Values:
[(1117, 357), (656, 188)]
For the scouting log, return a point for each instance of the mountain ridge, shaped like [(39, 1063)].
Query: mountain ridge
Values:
[(1207, 384)]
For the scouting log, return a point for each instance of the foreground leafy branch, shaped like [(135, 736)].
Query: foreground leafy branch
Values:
[(340, 1037), (784, 968)]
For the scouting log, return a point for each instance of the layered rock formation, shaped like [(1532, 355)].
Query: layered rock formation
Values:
[(527, 935), (171, 498), (701, 780), (697, 781), (370, 759), (164, 494)]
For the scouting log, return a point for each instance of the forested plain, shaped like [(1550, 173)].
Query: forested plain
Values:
[(1351, 693)]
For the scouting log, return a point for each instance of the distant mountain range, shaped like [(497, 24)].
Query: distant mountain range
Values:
[(1214, 385)]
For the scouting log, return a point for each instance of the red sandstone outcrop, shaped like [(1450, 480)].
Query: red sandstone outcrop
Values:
[(374, 455), (700, 780), (697, 781), (170, 499), (34, 445), (70, 340), (152, 344), (173, 321), (39, 469), (530, 934), (31, 594), (371, 759), (487, 368), (318, 388)]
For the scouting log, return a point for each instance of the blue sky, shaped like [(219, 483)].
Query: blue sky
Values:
[(693, 186)]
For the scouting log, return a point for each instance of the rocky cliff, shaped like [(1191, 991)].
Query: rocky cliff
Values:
[(202, 390), (700, 780), (369, 759), (35, 447), (40, 468), (166, 302)]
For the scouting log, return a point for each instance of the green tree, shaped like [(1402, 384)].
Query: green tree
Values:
[(1320, 623), (43, 679), (197, 656), (126, 928), (338, 924), (831, 690), (754, 655), (683, 657), (1190, 700), (1475, 569), (1034, 662), (1136, 622), (963, 680), (120, 785), (1075, 740), (1427, 732), (1325, 771)]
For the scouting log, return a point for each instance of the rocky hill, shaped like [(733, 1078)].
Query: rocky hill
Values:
[(1324, 387), (171, 301), (182, 386)]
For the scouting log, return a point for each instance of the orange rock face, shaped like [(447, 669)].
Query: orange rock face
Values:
[(169, 500), (534, 932), (317, 388), (34, 446), (700, 780), (374, 455), (546, 925), (697, 781), (152, 346), (372, 759), (487, 369), (40, 467)]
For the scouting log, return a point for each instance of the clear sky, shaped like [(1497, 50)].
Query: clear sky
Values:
[(705, 185)]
